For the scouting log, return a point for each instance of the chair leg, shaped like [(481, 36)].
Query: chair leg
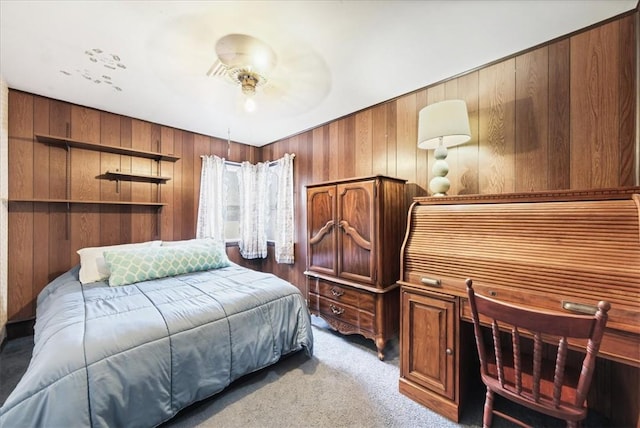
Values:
[(488, 409)]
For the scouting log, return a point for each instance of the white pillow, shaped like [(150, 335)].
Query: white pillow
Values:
[(93, 266)]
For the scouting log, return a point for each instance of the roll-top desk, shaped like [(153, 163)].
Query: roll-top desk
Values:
[(556, 250)]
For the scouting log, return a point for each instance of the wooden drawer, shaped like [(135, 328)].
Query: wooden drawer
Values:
[(344, 295), (341, 312)]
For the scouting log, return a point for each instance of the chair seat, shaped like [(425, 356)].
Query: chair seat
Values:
[(570, 383), (566, 408)]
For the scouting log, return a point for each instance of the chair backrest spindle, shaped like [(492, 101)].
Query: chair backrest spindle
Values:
[(517, 358)]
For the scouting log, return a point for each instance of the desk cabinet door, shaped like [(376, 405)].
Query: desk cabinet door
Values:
[(428, 336)]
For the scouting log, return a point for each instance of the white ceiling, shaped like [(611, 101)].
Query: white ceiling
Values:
[(149, 59)]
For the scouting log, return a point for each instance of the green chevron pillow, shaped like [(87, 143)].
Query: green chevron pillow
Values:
[(142, 264)]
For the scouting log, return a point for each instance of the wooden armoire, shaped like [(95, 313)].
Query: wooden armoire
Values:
[(355, 229)]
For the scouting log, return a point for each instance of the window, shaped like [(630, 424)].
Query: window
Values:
[(232, 223), (265, 213)]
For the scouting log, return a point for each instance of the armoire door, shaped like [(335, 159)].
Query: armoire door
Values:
[(321, 213), (356, 228)]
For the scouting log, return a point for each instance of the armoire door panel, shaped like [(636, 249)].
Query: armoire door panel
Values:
[(322, 229), (356, 221)]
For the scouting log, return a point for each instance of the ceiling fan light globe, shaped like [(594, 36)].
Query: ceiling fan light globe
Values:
[(249, 105), (244, 51)]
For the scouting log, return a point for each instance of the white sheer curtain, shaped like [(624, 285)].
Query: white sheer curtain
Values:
[(253, 181), (284, 211), (213, 199)]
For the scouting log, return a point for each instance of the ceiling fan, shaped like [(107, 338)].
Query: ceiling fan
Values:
[(294, 82)]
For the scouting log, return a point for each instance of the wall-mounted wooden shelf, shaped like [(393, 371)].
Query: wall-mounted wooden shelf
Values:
[(78, 201), (62, 141), (119, 175)]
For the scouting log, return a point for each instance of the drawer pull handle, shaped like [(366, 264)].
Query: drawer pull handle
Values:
[(448, 351), (431, 281), (336, 310), (337, 292), (579, 307)]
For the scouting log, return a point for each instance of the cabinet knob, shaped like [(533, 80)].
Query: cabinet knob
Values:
[(448, 351)]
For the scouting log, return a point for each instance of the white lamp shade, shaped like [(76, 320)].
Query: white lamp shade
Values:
[(447, 119)]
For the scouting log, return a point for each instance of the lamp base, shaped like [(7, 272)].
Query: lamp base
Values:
[(439, 186)]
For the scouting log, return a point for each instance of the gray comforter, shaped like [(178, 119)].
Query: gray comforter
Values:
[(133, 356)]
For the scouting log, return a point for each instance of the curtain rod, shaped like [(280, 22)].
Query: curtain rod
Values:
[(234, 163)]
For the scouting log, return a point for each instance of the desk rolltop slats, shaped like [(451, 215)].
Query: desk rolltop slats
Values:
[(533, 249)]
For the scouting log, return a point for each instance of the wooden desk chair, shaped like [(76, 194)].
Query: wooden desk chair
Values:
[(543, 385)]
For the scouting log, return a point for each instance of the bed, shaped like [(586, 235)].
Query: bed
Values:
[(135, 354)]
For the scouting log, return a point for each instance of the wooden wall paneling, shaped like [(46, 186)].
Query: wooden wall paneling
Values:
[(20, 299), (363, 143), (468, 152), (40, 190), (266, 153), (559, 119), (40, 151), (126, 226), (627, 91), (59, 221), (422, 156), (392, 139), (224, 150), (406, 137), (497, 131), (141, 191), (85, 167), (166, 193), (335, 152), (594, 108), (20, 149), (379, 139), (109, 189), (188, 222), (531, 124), (346, 147), (143, 219), (320, 155), (234, 152), (612, 379), (177, 186), (301, 177), (156, 189)]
